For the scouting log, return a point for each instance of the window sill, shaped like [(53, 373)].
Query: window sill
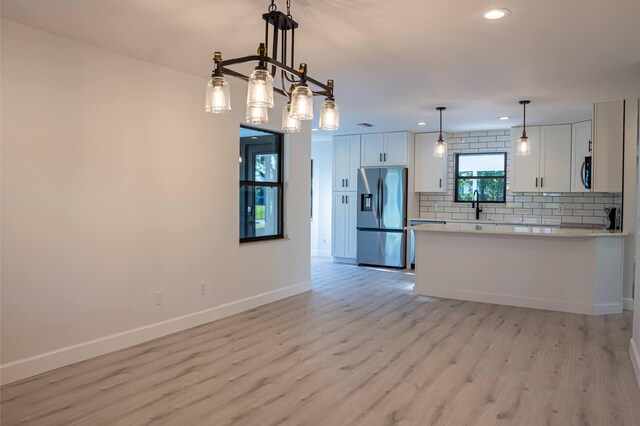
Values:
[(263, 241)]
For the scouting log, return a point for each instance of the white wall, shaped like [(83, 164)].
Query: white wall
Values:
[(635, 341), (630, 200), (116, 184), (322, 154)]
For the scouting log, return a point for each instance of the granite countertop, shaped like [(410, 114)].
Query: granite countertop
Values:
[(495, 222), (521, 230)]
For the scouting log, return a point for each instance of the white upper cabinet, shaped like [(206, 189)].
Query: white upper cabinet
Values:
[(581, 152), (548, 167), (384, 149), (346, 162), (608, 145), (555, 158), (372, 148), (525, 169), (396, 149), (430, 171)]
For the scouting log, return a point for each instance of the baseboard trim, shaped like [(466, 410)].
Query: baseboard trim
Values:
[(627, 304), (27, 367), (524, 302), (635, 359)]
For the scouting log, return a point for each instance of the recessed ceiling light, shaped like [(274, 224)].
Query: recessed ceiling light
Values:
[(497, 14), (504, 117), (314, 130), (421, 123)]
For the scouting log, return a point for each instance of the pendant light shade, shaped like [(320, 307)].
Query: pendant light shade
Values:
[(440, 147), (302, 103), (260, 89), (523, 146), (257, 115), (218, 98), (329, 115), (289, 124)]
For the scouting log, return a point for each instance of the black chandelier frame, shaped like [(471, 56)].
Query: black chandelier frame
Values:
[(282, 24)]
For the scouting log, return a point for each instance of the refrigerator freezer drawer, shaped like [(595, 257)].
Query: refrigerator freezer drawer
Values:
[(383, 248)]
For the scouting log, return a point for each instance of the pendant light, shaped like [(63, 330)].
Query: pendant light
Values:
[(257, 115), (218, 98), (302, 102), (329, 111), (260, 89), (440, 147), (289, 124), (523, 146)]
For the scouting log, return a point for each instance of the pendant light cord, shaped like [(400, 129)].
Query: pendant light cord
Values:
[(441, 124)]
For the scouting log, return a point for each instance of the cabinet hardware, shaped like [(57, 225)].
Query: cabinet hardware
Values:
[(343, 183), (385, 157), (347, 182), (590, 145), (381, 157), (541, 182), (536, 182), (440, 184)]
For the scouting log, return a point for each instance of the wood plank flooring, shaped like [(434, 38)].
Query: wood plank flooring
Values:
[(360, 349)]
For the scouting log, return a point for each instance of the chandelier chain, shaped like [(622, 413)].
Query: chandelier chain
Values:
[(272, 6), (289, 8)]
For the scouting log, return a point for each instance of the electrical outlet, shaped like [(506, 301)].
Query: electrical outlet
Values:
[(203, 289), (159, 297)]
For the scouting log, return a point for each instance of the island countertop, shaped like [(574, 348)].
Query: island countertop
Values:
[(519, 230)]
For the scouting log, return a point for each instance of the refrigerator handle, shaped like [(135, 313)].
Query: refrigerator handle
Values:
[(381, 199), (378, 206)]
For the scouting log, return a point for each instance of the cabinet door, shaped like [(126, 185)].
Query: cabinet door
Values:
[(430, 173), (351, 233), (353, 163), (580, 150), (395, 149), (339, 225), (555, 158), (340, 162), (525, 169), (372, 148), (608, 133)]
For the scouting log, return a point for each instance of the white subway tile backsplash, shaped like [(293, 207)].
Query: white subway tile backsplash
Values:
[(580, 208)]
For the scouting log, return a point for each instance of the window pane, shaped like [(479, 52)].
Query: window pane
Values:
[(259, 211), (492, 189), (259, 157), (481, 165)]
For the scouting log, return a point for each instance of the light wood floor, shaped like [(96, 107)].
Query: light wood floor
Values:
[(359, 349)]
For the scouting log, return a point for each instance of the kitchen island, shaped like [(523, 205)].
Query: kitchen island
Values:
[(561, 269)]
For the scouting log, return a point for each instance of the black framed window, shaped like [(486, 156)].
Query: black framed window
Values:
[(261, 188), (482, 172)]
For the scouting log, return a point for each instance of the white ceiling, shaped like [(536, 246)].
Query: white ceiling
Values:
[(393, 61)]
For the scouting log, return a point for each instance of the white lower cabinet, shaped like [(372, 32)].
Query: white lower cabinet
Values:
[(345, 209)]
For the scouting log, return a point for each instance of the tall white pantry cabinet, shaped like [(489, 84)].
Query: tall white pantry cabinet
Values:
[(346, 162)]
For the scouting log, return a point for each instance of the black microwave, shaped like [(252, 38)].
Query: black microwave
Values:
[(585, 173)]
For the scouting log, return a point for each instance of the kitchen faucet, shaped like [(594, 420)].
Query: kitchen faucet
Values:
[(475, 203)]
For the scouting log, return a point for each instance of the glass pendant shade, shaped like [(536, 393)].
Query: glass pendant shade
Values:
[(289, 124), (257, 115), (260, 89), (218, 98), (440, 148), (523, 146), (329, 115), (302, 103)]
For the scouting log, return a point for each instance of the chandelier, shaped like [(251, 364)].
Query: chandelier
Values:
[(275, 61)]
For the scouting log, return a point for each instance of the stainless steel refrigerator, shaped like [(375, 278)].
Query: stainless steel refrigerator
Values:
[(382, 216)]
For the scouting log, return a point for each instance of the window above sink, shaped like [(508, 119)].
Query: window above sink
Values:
[(484, 172)]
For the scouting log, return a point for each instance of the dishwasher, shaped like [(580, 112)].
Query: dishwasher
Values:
[(412, 237)]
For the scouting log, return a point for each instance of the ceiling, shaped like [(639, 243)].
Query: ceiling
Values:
[(393, 61)]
